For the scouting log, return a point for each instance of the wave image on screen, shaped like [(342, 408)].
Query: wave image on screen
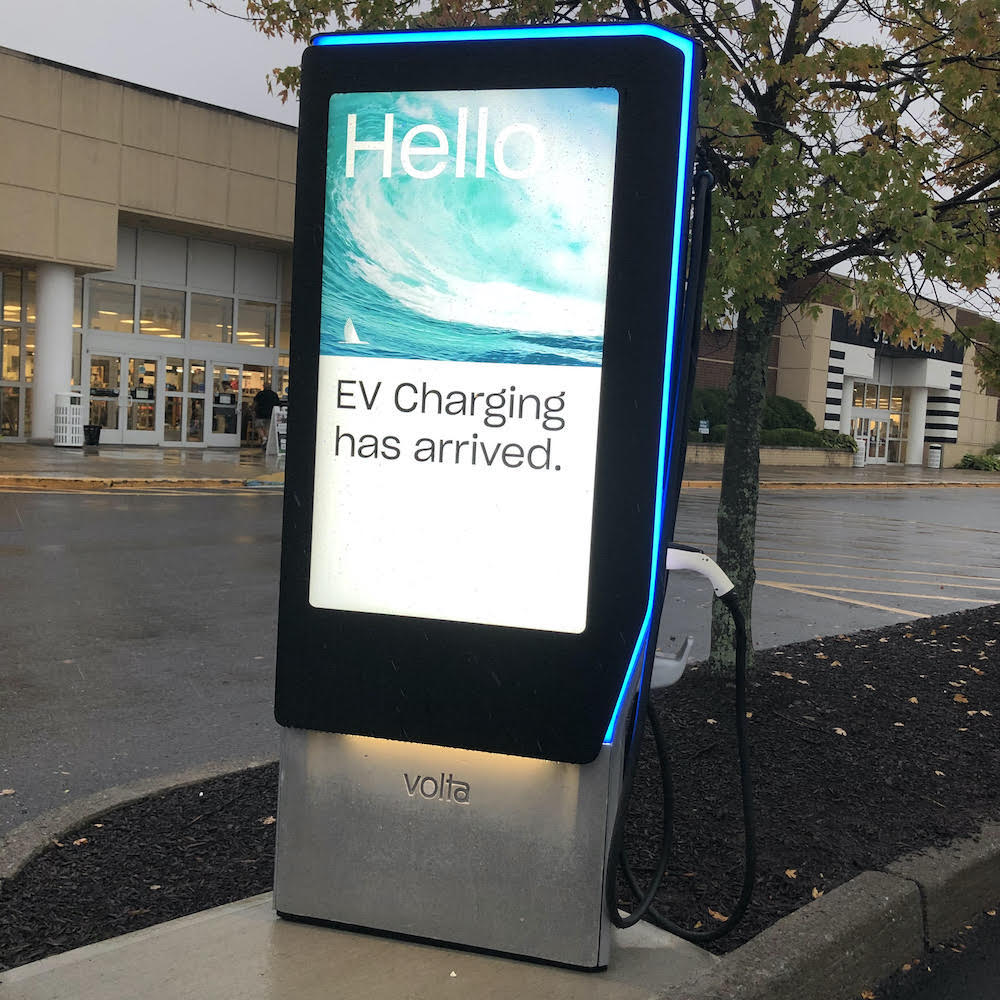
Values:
[(469, 226)]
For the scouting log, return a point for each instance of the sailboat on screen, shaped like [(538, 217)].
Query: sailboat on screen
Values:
[(350, 334)]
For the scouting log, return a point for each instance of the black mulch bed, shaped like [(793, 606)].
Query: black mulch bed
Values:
[(864, 747)]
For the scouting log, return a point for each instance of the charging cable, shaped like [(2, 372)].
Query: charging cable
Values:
[(682, 557)]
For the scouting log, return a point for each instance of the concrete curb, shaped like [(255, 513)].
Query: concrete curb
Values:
[(29, 839), (862, 931), (84, 484)]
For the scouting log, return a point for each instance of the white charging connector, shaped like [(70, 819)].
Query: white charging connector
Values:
[(698, 562)]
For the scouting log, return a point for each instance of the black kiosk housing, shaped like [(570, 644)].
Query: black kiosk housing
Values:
[(523, 692)]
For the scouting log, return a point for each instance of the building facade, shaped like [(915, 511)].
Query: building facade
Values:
[(145, 264), (897, 400), (145, 254)]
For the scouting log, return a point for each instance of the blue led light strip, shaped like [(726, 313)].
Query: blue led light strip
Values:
[(511, 34), (686, 46)]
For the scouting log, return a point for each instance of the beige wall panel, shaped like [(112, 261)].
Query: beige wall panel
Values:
[(89, 168), (202, 192), (254, 148), (91, 107), (285, 223), (149, 122), (252, 203), (288, 144), (87, 232), (30, 156), (149, 181), (795, 384), (29, 222), (29, 90), (204, 135)]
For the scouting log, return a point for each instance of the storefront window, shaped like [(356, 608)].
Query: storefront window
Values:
[(11, 280), (77, 303), (195, 419), (29, 354), (112, 306), (9, 404), (255, 323), (197, 383), (161, 312), (11, 348), (141, 394), (211, 318), (174, 374)]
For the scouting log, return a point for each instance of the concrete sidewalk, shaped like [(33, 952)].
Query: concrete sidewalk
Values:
[(26, 466), (835, 947)]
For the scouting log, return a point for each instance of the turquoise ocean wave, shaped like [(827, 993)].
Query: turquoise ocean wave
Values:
[(510, 266)]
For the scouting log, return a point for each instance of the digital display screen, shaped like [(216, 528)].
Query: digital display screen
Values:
[(464, 285)]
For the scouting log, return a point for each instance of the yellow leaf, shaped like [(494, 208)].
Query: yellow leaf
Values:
[(913, 701), (6, 791), (715, 915), (792, 872), (977, 671), (840, 732), (991, 913), (749, 715), (712, 722), (867, 995), (835, 663), (940, 774), (907, 967), (820, 656), (781, 673), (156, 887), (82, 840), (268, 820), (870, 687), (817, 893), (961, 699)]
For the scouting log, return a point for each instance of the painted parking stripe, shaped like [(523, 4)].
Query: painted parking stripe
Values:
[(891, 577), (805, 591)]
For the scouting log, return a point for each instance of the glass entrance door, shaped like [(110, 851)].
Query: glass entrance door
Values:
[(142, 389), (105, 393), (223, 425), (878, 438)]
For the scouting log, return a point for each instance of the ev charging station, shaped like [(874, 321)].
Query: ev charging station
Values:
[(482, 472)]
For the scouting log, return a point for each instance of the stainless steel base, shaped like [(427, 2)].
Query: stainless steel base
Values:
[(499, 853)]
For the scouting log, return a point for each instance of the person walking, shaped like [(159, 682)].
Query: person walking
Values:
[(263, 403)]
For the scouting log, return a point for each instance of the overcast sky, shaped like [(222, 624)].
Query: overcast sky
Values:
[(158, 43)]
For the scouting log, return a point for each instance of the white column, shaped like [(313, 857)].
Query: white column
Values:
[(53, 346), (918, 420), (846, 404)]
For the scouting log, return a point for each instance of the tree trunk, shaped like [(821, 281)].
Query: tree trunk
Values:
[(737, 516)]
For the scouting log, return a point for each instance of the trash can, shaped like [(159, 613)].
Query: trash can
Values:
[(91, 435), (934, 456)]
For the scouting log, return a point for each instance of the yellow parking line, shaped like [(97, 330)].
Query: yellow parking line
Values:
[(911, 572), (890, 577), (845, 600), (896, 593)]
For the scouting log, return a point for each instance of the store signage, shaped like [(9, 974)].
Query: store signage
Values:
[(486, 379), (868, 335)]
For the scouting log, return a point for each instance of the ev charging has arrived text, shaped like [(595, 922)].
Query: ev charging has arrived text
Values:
[(494, 408)]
